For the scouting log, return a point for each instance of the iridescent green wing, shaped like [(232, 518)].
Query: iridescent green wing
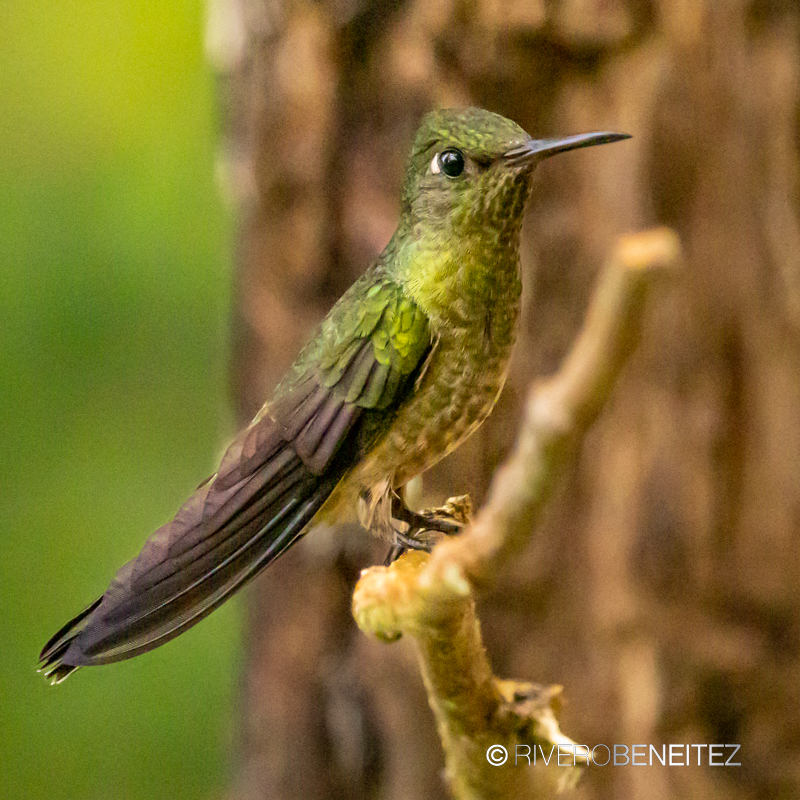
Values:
[(365, 358)]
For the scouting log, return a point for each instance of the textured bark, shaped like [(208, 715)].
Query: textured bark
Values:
[(663, 593)]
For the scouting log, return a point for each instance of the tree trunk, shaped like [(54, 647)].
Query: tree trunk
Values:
[(663, 593)]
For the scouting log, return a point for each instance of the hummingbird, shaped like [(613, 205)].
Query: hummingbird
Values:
[(407, 364)]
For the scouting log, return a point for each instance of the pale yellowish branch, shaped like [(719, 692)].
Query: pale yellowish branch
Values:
[(430, 597)]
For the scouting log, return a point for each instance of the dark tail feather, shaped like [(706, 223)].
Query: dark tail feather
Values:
[(264, 495), (53, 651), (150, 627), (167, 590)]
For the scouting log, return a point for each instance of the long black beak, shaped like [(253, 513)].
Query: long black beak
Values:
[(539, 149)]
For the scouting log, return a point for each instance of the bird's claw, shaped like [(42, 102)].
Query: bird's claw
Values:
[(427, 528)]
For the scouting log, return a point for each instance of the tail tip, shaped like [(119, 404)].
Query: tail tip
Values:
[(51, 658), (56, 672)]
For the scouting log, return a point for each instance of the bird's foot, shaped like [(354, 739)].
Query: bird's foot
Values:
[(427, 528)]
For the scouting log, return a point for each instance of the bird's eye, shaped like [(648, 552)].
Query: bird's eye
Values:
[(451, 162)]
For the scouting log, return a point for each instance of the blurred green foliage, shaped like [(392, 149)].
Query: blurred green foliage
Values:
[(114, 294)]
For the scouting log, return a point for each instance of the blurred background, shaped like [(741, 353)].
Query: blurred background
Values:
[(114, 289), (662, 592)]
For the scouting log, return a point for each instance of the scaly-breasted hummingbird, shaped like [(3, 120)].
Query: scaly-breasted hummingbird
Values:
[(407, 364)]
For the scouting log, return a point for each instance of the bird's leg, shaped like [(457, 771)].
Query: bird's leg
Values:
[(413, 539), (445, 520), (395, 551), (422, 521)]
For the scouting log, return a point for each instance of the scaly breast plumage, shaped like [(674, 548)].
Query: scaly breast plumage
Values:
[(456, 394)]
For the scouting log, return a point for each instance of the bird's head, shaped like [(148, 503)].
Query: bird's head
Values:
[(470, 170)]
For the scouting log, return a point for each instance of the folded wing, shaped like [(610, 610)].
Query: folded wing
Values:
[(272, 481)]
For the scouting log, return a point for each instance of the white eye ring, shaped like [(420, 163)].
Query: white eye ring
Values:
[(435, 167)]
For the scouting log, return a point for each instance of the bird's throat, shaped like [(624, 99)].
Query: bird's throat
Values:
[(469, 285)]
